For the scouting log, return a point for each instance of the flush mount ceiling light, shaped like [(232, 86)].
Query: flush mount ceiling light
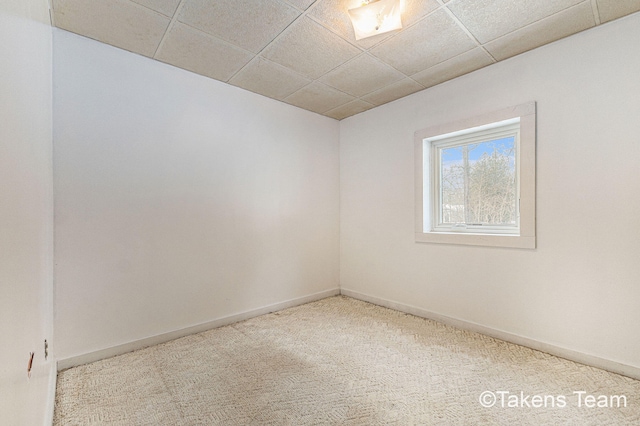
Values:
[(376, 17)]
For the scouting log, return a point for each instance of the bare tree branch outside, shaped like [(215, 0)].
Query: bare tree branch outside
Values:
[(478, 183)]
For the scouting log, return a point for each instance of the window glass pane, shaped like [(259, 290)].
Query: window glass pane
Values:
[(452, 185), (478, 183)]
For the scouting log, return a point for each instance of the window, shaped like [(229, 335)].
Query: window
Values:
[(475, 180)]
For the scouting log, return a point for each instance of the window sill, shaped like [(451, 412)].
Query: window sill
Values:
[(489, 240)]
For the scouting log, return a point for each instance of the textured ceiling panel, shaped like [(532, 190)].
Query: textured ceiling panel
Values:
[(310, 49), (118, 22), (429, 42), (362, 75), (545, 31), (248, 24), (347, 110), (454, 67), (414, 10), (490, 19), (193, 50), (300, 4), (318, 97), (394, 91), (269, 79), (304, 52), (166, 7), (613, 9)]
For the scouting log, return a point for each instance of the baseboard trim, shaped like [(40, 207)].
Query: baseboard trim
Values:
[(579, 357), (109, 352)]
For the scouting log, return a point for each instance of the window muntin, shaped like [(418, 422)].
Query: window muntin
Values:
[(475, 179)]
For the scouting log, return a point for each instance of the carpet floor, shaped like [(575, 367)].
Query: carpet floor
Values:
[(340, 361)]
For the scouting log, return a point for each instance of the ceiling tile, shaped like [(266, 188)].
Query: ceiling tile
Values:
[(318, 97), (310, 49), (349, 109), (119, 23), (166, 7), (490, 19), (268, 79), (565, 23), (433, 40), (248, 24), (299, 41), (334, 14), (362, 75), (393, 91), (300, 4), (613, 9), (454, 67), (188, 48), (414, 10)]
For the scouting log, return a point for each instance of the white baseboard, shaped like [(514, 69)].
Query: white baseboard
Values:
[(579, 357), (74, 361)]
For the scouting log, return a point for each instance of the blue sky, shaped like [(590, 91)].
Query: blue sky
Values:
[(454, 155)]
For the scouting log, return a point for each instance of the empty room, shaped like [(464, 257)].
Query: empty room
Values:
[(319, 212)]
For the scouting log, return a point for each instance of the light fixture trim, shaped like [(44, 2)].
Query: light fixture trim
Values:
[(376, 17)]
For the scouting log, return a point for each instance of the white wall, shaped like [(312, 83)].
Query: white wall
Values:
[(26, 211), (179, 199), (579, 289)]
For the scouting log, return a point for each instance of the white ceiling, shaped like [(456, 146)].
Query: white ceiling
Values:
[(304, 52)]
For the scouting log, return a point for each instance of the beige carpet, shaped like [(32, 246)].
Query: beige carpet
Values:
[(340, 361)]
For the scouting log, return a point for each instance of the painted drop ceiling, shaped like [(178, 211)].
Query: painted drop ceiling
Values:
[(303, 52)]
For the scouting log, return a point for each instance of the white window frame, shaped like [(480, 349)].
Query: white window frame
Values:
[(501, 129), (427, 141)]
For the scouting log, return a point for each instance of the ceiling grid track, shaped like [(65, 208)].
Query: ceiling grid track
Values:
[(596, 12), (174, 18), (466, 30)]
